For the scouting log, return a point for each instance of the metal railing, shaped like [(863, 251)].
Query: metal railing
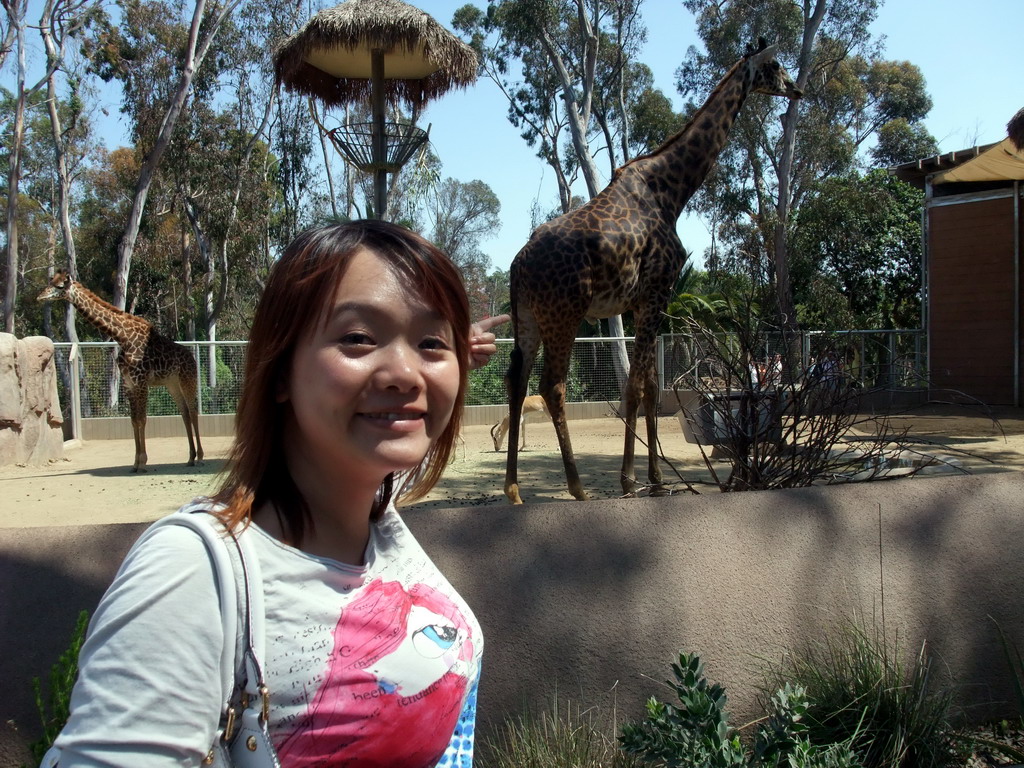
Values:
[(89, 387)]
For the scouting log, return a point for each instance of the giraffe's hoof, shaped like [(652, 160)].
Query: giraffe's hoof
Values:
[(660, 490), (512, 492)]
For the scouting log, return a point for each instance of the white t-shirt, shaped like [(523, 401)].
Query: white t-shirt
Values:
[(373, 665)]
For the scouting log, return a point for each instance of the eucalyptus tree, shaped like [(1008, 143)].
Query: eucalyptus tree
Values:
[(70, 131), (461, 216), (220, 162), (772, 161), (8, 31), (60, 21), (572, 54), (156, 54)]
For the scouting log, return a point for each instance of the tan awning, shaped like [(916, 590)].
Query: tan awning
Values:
[(1001, 162)]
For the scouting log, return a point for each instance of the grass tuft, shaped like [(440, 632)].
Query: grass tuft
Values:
[(891, 711), (562, 735)]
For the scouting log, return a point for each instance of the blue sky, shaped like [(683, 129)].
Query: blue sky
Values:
[(969, 56), (968, 53)]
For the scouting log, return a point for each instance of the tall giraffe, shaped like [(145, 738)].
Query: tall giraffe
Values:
[(618, 252), (146, 359)]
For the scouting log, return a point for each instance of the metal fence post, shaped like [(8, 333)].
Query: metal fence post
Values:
[(199, 377), (661, 363), (76, 393)]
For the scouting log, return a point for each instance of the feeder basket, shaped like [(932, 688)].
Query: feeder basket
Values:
[(355, 142)]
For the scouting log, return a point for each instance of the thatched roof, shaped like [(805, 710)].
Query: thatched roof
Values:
[(329, 58), (1015, 130)]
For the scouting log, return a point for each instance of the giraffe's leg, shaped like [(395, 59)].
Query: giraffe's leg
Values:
[(516, 380), (642, 384), (651, 396), (138, 398), (630, 402), (190, 392), (552, 388), (185, 396)]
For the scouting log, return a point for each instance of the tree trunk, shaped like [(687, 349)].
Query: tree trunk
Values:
[(195, 52), (780, 251), (16, 16), (63, 176)]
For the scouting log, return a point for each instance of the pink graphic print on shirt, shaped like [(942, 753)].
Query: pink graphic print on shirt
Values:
[(394, 684)]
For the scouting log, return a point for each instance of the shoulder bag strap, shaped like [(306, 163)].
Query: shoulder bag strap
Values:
[(223, 572)]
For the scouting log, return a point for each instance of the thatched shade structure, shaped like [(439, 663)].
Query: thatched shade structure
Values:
[(1015, 130), (376, 50), (330, 57)]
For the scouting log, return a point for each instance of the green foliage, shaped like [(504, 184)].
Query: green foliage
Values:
[(856, 254), (652, 120), (688, 305), (696, 731), (900, 141), (54, 713), (487, 384), (891, 712)]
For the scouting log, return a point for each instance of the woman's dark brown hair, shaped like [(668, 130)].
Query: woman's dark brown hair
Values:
[(301, 286)]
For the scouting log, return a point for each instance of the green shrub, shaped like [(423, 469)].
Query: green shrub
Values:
[(62, 679), (892, 713), (696, 732)]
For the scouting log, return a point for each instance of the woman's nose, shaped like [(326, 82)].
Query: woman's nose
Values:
[(400, 367)]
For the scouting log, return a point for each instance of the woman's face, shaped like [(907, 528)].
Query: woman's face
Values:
[(371, 389)]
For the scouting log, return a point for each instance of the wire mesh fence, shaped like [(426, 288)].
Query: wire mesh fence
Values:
[(871, 358), (867, 359)]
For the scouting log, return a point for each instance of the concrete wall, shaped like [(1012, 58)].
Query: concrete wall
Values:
[(598, 597), (30, 418)]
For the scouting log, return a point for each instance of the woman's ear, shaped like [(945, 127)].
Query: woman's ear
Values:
[(281, 389)]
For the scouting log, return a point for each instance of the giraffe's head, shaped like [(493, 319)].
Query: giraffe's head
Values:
[(57, 288), (768, 75)]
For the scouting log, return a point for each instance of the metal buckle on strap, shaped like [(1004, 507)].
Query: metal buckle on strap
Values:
[(265, 694), (229, 727)]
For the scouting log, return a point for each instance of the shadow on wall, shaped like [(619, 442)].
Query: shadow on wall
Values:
[(594, 600), (47, 576)]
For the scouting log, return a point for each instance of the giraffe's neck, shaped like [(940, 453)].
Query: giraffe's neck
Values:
[(105, 316), (676, 169)]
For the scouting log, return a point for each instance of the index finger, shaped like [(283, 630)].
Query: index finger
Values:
[(484, 325)]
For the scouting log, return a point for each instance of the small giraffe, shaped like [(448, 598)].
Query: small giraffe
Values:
[(618, 252), (146, 359)]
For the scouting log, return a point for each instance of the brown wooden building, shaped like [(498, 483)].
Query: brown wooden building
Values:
[(972, 269)]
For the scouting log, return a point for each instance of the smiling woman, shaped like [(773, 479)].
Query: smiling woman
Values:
[(353, 393)]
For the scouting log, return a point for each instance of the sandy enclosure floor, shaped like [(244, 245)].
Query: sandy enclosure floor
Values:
[(93, 483)]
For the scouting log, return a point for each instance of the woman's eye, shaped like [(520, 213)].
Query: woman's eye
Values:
[(356, 338), (434, 343)]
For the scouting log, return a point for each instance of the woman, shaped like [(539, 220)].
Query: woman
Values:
[(355, 378)]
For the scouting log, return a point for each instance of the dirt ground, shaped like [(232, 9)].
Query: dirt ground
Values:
[(93, 483)]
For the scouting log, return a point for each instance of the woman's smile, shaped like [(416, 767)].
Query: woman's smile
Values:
[(397, 421)]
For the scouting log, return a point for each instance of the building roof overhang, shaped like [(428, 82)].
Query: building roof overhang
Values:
[(1000, 161)]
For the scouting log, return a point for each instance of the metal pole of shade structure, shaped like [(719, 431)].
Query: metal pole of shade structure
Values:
[(380, 175)]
